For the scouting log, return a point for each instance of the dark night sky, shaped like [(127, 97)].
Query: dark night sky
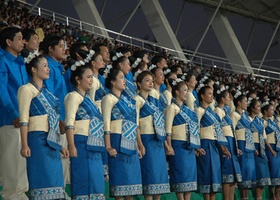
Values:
[(195, 18)]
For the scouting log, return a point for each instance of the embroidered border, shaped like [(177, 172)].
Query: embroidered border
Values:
[(184, 187), (247, 184), (156, 188), (275, 181), (126, 190), (230, 178), (215, 187), (263, 182), (90, 197), (47, 193)]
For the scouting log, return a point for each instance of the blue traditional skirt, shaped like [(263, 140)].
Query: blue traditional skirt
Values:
[(231, 172), (44, 168), (182, 168), (273, 164), (209, 168), (104, 156), (124, 171), (262, 171), (247, 166), (87, 180), (153, 166)]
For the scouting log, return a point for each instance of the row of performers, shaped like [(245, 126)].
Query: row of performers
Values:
[(209, 150)]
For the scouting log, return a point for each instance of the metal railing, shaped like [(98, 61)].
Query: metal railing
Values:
[(201, 59)]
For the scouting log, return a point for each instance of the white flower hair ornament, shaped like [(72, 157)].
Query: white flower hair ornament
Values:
[(166, 71), (183, 77), (249, 101), (222, 89), (89, 56), (175, 82), (118, 55), (152, 67), (136, 74), (78, 63), (265, 103), (31, 56), (201, 85), (107, 71), (237, 94), (136, 62)]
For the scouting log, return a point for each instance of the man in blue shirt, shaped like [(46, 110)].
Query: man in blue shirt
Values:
[(12, 75), (53, 46)]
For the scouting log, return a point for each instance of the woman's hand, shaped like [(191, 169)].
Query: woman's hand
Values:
[(25, 151), (64, 152), (256, 152), (239, 152), (72, 151), (200, 152), (169, 150), (112, 151), (274, 153), (225, 152), (142, 150)]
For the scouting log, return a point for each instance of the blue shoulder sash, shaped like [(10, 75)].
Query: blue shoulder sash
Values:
[(51, 105), (152, 107), (188, 117), (244, 123), (210, 118), (88, 110), (130, 89), (273, 127), (125, 109), (257, 125), (163, 100), (101, 92)]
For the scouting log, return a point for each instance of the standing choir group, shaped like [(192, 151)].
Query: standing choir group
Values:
[(126, 124)]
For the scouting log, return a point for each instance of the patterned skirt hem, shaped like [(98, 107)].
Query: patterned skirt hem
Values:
[(206, 189), (247, 184), (47, 193), (89, 197), (156, 188), (230, 178), (275, 181), (264, 182), (126, 190), (184, 187)]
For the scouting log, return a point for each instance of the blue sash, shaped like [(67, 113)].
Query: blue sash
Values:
[(101, 92), (244, 123), (257, 125), (130, 89), (125, 109), (227, 121), (163, 100), (273, 127), (188, 117), (88, 110), (152, 107), (196, 102), (50, 104), (210, 118)]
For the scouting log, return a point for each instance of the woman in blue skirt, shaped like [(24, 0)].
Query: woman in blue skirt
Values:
[(40, 134), (259, 137), (183, 140), (120, 128), (241, 125), (231, 172), (272, 150), (84, 129), (152, 130), (212, 138)]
